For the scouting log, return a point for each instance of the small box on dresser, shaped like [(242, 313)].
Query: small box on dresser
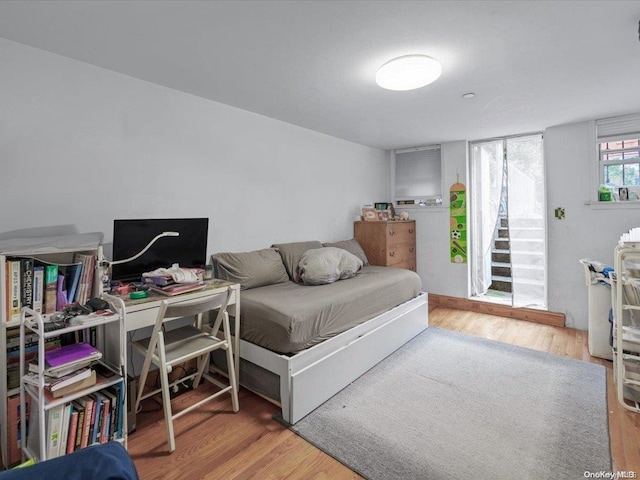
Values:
[(388, 243)]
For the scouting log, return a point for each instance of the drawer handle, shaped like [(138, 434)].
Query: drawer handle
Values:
[(411, 250), (391, 233), (411, 230), (392, 254)]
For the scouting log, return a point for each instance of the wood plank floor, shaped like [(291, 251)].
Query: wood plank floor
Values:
[(214, 443)]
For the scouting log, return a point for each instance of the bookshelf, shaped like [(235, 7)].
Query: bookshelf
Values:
[(52, 429), (56, 250)]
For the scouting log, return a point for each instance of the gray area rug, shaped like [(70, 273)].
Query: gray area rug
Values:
[(452, 406)]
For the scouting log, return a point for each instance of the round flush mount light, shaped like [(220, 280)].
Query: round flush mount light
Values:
[(408, 72), (468, 95)]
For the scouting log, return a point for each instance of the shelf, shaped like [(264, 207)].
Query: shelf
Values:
[(50, 401)]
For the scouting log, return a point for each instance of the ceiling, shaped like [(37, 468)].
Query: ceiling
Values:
[(531, 64)]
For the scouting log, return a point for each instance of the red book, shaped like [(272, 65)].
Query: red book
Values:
[(73, 427)]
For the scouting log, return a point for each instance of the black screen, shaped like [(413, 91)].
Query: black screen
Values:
[(131, 236)]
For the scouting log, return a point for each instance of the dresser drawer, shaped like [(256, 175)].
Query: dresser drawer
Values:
[(408, 264), (400, 232), (401, 252)]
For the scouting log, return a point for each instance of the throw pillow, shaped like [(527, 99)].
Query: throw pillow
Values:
[(327, 265), (291, 254), (251, 269), (351, 246)]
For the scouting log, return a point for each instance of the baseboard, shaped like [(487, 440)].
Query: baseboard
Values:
[(532, 315)]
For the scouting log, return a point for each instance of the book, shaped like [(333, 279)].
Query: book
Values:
[(66, 383), (73, 273), (96, 417), (178, 288), (76, 387), (71, 354), (118, 392), (14, 431), (87, 277), (64, 429), (53, 426), (79, 407), (38, 288), (87, 405), (105, 424), (15, 297), (26, 271), (61, 293), (113, 414), (50, 288), (73, 427)]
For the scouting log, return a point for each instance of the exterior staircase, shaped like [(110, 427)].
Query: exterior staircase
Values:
[(501, 280), (527, 264)]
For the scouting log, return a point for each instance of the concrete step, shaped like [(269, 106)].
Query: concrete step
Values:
[(503, 232), (501, 284), (501, 256), (500, 269), (501, 244)]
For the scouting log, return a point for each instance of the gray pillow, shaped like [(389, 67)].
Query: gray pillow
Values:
[(251, 269), (291, 254), (352, 246), (327, 265)]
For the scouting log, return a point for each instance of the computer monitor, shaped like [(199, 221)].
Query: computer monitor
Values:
[(189, 249)]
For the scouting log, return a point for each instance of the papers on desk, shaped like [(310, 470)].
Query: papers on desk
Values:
[(178, 288)]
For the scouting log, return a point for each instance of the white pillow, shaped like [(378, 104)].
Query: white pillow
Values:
[(320, 266)]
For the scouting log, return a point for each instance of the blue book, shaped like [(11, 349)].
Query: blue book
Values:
[(95, 417), (73, 275)]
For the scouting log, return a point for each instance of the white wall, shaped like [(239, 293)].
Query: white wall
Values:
[(81, 145), (587, 231), (434, 265)]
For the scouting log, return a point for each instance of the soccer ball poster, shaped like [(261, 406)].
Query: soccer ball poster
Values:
[(458, 223)]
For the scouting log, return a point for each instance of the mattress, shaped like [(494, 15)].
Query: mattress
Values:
[(288, 317)]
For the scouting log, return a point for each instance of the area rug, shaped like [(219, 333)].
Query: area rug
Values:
[(451, 406)]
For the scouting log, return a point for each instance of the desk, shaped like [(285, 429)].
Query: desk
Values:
[(144, 312)]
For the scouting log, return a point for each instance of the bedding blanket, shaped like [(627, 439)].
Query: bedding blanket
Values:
[(289, 317)]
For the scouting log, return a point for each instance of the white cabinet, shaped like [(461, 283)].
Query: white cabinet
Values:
[(51, 424), (626, 331)]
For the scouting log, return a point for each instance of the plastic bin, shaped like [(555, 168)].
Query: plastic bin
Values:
[(599, 300)]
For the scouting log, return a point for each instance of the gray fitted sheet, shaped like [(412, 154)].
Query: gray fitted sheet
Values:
[(288, 317)]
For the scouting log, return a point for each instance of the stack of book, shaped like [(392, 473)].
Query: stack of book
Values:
[(165, 284), (66, 370)]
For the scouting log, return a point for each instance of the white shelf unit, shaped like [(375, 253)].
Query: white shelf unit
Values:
[(110, 341), (626, 331), (57, 250)]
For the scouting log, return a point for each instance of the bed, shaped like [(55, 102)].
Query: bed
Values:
[(302, 344)]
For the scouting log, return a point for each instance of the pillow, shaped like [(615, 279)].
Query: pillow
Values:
[(327, 265), (352, 246), (291, 254), (251, 269)]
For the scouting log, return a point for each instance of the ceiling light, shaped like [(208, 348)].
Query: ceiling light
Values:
[(408, 72), (468, 95)]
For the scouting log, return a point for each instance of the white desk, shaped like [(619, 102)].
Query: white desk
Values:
[(144, 312)]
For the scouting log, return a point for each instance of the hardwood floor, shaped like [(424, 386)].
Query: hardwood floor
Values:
[(214, 443)]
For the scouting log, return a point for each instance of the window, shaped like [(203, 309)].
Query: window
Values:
[(618, 143), (418, 176), (620, 162)]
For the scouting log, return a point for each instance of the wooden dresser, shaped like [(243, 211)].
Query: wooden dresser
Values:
[(388, 244)]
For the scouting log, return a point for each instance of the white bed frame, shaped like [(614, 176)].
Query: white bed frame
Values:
[(312, 376)]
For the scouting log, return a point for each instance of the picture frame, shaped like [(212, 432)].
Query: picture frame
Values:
[(383, 215), (381, 205), (369, 214), (623, 194)]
